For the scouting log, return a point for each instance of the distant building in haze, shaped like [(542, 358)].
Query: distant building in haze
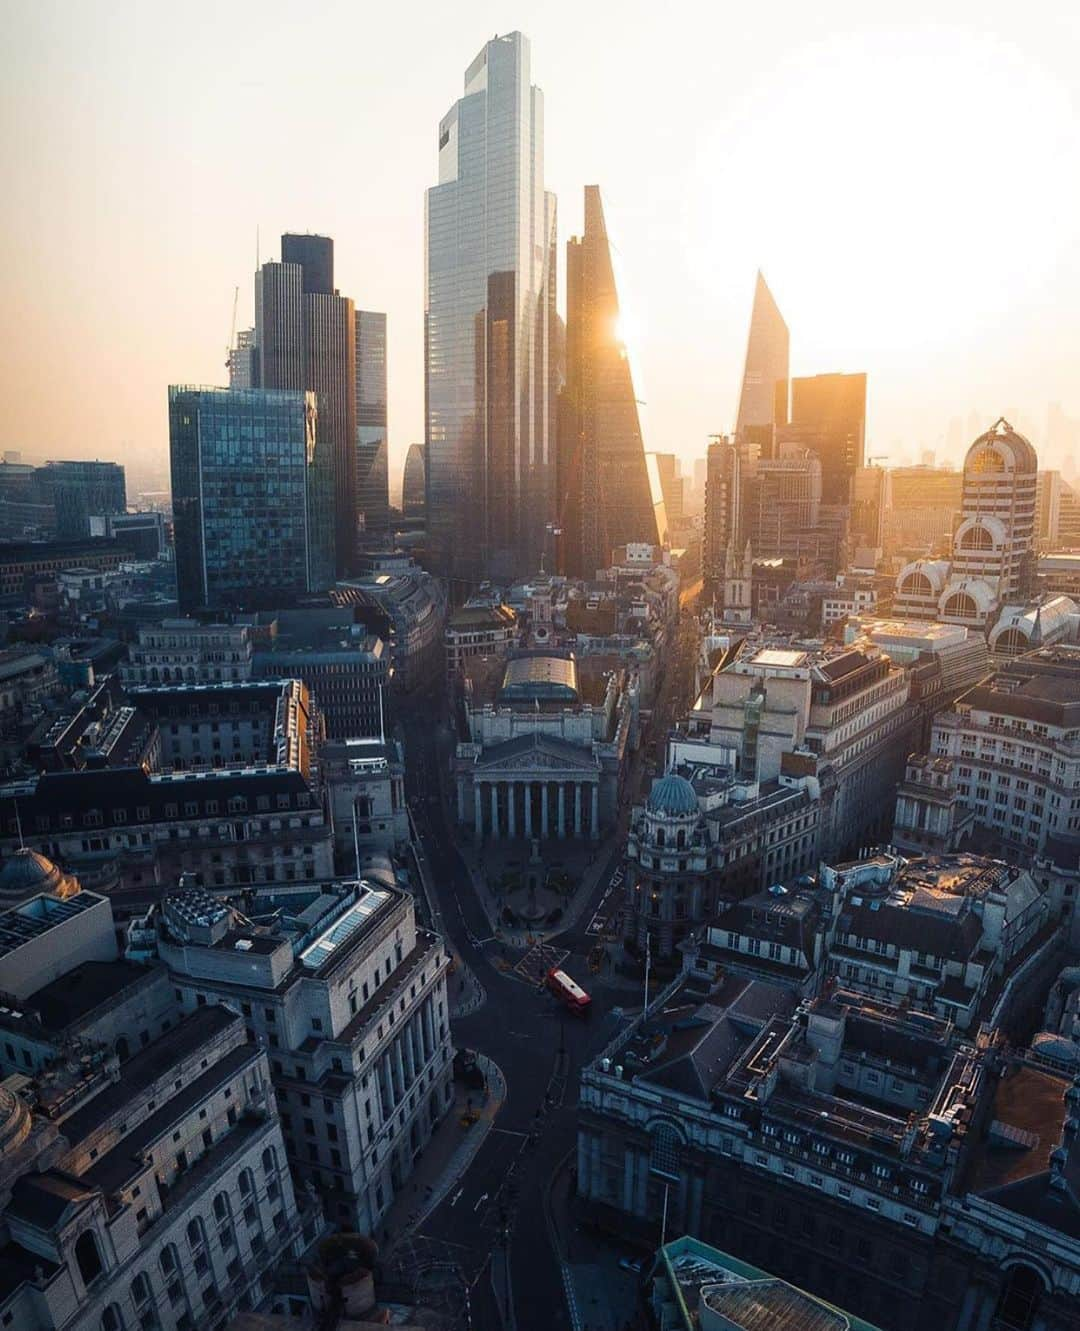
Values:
[(490, 324), (828, 414), (604, 485), (372, 462), (763, 401), (414, 482), (723, 493), (667, 464), (78, 490), (252, 486)]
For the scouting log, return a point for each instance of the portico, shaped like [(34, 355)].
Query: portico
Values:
[(536, 787)]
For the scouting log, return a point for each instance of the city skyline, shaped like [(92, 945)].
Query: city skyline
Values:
[(995, 296)]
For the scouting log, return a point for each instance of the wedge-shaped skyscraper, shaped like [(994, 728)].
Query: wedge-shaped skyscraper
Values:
[(490, 325), (605, 498), (763, 402)]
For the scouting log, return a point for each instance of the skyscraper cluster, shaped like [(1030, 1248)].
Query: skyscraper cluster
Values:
[(280, 482)]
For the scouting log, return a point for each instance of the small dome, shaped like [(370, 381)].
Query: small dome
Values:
[(673, 795), (1012, 451), (27, 873)]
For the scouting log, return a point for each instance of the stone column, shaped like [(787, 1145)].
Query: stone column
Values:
[(527, 788), (425, 1029), (399, 1068), (386, 1096), (416, 1035), (511, 809), (409, 1052), (562, 809), (494, 811), (577, 808), (594, 826), (478, 812), (545, 826)]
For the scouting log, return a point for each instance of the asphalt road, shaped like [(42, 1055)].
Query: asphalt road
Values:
[(539, 1047)]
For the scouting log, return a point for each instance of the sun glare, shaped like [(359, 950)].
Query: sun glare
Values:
[(901, 189)]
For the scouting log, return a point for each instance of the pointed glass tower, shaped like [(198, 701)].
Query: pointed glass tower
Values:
[(604, 490), (763, 402)]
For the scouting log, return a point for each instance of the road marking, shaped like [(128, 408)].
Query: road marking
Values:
[(480, 1201), (457, 1196)]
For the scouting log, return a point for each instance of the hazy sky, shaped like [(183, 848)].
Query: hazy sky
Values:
[(910, 187)]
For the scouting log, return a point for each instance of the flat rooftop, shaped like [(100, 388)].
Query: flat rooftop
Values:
[(40, 914), (79, 992)]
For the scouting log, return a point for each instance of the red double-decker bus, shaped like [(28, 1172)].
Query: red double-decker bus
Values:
[(571, 993)]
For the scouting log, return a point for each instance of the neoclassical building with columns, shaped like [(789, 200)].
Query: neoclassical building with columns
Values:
[(543, 746)]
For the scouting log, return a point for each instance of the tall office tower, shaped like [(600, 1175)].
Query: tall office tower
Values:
[(828, 413), (994, 546), (786, 504), (279, 325), (763, 401), (723, 500), (252, 483), (923, 504), (78, 490), (413, 482), (372, 459), (315, 257), (244, 361), (605, 473), (490, 325), (306, 335)]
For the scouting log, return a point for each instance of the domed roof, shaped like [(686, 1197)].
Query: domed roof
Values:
[(27, 873), (673, 795), (1023, 455)]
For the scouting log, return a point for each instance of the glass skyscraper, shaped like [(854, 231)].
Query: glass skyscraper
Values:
[(606, 494), (763, 401), (79, 491), (252, 490), (490, 325), (372, 460)]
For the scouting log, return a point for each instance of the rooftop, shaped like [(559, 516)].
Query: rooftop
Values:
[(79, 992), (40, 914)]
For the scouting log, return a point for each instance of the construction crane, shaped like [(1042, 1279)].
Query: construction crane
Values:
[(232, 330)]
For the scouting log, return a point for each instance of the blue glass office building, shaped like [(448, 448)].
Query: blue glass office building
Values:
[(253, 496)]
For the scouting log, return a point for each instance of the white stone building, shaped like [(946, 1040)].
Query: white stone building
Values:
[(187, 651), (347, 997)]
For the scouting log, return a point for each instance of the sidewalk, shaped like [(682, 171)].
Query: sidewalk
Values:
[(600, 1295), (446, 1157)]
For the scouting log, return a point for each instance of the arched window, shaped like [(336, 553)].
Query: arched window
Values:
[(660, 836), (167, 1260), (987, 459), (916, 584), (664, 1155), (196, 1235), (962, 606), (247, 1184), (680, 839), (1011, 643), (269, 1159), (221, 1207), (88, 1256), (976, 538), (141, 1289), (112, 1319), (1020, 1298)]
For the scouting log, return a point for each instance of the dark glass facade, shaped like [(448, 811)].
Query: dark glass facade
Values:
[(80, 490), (372, 460), (315, 257), (605, 496), (279, 325), (252, 496)]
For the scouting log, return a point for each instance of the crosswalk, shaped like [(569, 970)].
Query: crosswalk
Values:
[(540, 958)]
